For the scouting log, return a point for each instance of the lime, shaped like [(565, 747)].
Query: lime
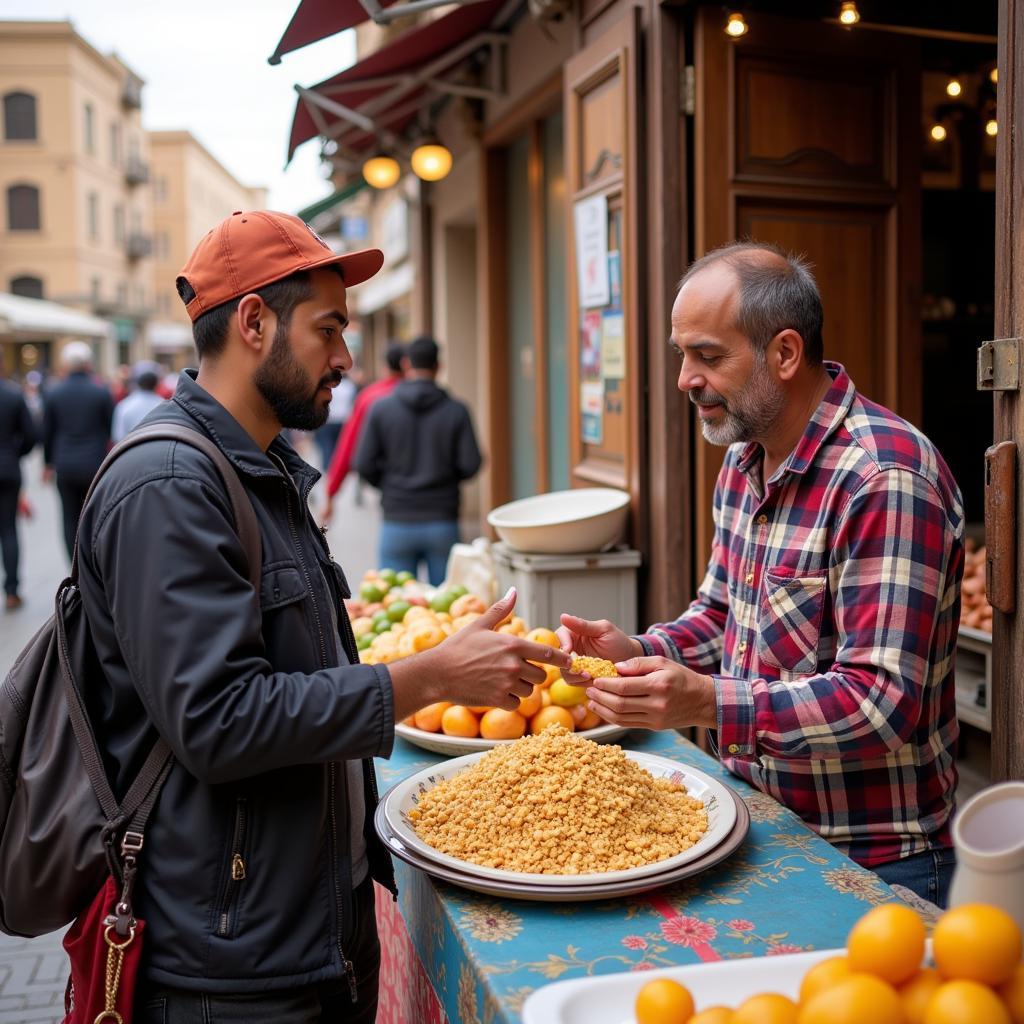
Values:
[(381, 622), (442, 600), (404, 576), (397, 610), (364, 641), (458, 590), (389, 576), (371, 593)]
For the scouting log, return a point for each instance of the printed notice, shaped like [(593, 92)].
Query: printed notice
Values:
[(591, 224)]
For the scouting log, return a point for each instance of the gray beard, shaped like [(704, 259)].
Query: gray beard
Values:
[(751, 415)]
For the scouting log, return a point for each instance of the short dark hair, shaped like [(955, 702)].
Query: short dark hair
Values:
[(210, 331), (147, 381), (394, 355), (775, 294), (423, 353)]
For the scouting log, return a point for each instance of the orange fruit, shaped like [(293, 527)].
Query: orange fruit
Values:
[(529, 706), (663, 1001), (426, 636), (545, 697), (824, 975), (566, 695), (977, 942), (498, 724), (540, 635), (460, 721), (553, 673), (480, 709), (916, 993), (550, 716), (429, 718), (887, 942), (591, 720), (965, 1002), (713, 1015), (858, 1000), (1012, 993), (767, 1008)]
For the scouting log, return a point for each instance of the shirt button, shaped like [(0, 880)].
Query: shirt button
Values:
[(762, 520), (734, 748), (750, 578)]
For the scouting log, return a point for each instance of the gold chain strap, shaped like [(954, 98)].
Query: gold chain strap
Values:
[(112, 982)]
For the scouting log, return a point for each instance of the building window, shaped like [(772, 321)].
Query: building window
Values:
[(23, 208), (160, 189), (94, 289), (94, 217), (28, 286), (90, 135), (115, 144), (119, 224), (19, 117)]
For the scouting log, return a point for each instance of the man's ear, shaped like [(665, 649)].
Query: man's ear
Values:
[(253, 316), (786, 351)]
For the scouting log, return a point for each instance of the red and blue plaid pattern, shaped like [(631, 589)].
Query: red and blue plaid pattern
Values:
[(828, 618)]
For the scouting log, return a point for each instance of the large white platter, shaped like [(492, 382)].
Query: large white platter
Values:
[(609, 999), (721, 811), (456, 746)]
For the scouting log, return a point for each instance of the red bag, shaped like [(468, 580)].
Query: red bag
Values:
[(104, 964)]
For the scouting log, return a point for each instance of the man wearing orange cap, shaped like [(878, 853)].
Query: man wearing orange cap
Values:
[(255, 882)]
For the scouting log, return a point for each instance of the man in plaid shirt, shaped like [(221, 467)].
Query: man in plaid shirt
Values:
[(821, 643)]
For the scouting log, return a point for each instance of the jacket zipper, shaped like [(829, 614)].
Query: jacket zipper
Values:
[(237, 873), (332, 767)]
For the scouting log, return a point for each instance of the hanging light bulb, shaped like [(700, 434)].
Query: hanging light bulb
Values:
[(848, 13), (431, 161), (992, 127), (993, 75), (953, 87), (938, 133), (736, 25), (381, 171)]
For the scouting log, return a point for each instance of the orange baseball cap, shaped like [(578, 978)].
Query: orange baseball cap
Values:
[(249, 250)]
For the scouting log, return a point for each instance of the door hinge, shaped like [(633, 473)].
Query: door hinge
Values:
[(688, 91), (999, 365)]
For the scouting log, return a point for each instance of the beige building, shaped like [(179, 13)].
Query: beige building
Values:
[(75, 183), (191, 192)]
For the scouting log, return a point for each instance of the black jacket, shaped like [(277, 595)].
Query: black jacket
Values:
[(17, 432), (253, 695), (417, 446), (76, 426)]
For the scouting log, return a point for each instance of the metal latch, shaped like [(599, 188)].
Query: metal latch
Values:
[(999, 365)]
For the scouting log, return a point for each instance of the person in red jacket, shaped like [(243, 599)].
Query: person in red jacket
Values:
[(345, 449)]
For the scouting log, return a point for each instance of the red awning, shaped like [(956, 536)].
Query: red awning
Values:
[(410, 52), (314, 20)]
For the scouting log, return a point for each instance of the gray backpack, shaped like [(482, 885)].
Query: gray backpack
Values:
[(62, 831)]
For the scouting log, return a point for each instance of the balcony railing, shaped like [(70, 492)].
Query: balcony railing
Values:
[(138, 245), (136, 171), (131, 93)]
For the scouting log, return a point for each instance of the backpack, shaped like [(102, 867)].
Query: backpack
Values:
[(60, 822)]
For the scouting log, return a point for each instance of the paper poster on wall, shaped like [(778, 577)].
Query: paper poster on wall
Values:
[(591, 223), (590, 346), (614, 278), (613, 345), (592, 412)]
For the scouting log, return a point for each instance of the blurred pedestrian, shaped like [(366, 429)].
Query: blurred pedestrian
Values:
[(130, 412), (418, 446), (76, 433), (17, 439), (345, 449)]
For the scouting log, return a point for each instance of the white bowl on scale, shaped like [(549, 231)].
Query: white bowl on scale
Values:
[(563, 522)]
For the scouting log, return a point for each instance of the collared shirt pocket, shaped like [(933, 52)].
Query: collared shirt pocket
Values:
[(789, 625)]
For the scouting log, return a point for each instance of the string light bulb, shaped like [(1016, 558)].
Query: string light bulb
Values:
[(431, 161), (848, 13), (953, 87), (381, 171), (993, 76), (736, 25), (992, 127), (938, 133)]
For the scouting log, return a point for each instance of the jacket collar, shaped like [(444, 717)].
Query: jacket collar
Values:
[(831, 412), (233, 440)]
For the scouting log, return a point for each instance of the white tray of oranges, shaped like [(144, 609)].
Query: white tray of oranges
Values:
[(970, 972)]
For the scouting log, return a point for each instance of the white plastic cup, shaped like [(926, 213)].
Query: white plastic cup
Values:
[(988, 833)]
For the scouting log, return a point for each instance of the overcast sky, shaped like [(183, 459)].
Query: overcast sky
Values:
[(205, 67)]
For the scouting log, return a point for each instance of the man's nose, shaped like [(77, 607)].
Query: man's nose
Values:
[(341, 359), (690, 378)]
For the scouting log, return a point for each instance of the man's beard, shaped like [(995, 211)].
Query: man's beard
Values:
[(750, 415), (284, 386)]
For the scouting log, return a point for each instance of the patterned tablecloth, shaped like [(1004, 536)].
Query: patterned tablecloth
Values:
[(784, 890)]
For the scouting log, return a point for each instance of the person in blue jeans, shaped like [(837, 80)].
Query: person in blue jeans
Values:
[(417, 447)]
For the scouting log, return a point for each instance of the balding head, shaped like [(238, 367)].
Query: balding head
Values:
[(76, 357), (775, 291)]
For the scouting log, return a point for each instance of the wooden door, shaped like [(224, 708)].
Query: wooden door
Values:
[(808, 135)]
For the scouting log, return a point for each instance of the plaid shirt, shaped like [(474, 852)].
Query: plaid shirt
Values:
[(828, 620)]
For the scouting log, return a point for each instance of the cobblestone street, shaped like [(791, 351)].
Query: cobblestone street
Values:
[(33, 973)]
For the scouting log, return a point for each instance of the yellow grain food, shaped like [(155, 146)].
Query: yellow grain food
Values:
[(597, 668), (556, 803)]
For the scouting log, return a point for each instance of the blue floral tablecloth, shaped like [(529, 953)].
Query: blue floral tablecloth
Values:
[(784, 890)]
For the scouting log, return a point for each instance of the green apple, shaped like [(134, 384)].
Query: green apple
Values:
[(458, 590), (404, 576), (442, 600), (381, 622), (363, 642), (397, 610), (389, 576), (372, 592)]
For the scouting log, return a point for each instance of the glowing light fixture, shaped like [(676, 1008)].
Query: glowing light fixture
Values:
[(938, 133), (736, 25), (992, 127), (848, 13), (953, 87), (381, 171), (431, 161), (993, 75)]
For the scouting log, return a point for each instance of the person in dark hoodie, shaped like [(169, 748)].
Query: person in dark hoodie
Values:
[(418, 445), (17, 438)]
